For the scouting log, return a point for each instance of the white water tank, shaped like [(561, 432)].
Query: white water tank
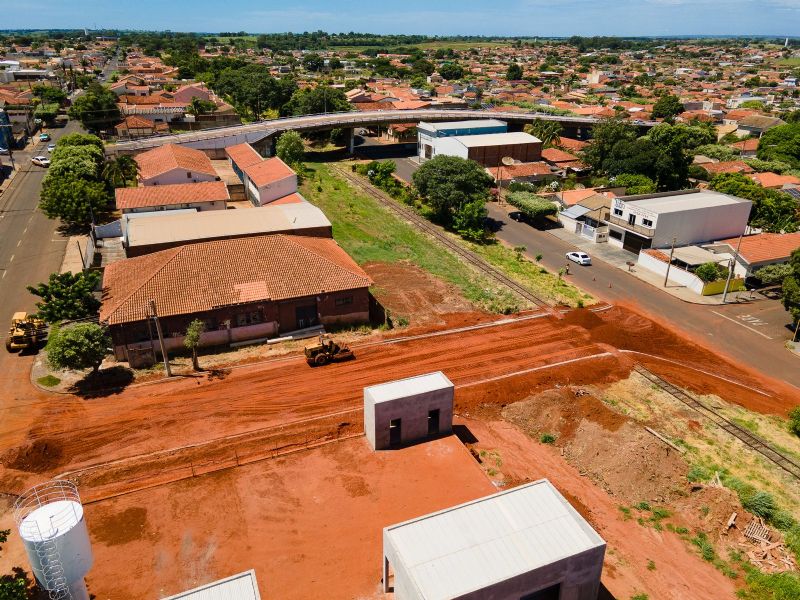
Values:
[(50, 520)]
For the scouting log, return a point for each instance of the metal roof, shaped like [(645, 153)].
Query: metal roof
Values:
[(469, 124), (237, 587), (496, 139), (169, 228), (472, 546), (695, 255), (684, 202), (576, 211), (410, 386)]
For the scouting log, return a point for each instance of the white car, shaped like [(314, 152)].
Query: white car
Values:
[(51, 147), (41, 161), (579, 257)]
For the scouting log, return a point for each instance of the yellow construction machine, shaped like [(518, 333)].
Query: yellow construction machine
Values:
[(26, 331), (326, 350)]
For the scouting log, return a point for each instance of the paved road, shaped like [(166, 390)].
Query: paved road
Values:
[(30, 248), (749, 333)]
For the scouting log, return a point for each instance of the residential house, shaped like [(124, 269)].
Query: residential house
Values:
[(171, 164), (532, 172), (756, 125), (757, 251), (265, 180), (134, 126), (774, 180), (242, 289), (210, 195)]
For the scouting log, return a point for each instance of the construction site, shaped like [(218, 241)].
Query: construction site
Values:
[(265, 465)]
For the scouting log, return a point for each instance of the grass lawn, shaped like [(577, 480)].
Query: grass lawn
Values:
[(789, 62), (48, 380), (369, 232)]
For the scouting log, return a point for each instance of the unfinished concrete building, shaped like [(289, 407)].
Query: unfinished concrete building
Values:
[(527, 543), (408, 410)]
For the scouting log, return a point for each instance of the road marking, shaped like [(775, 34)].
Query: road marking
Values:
[(741, 324), (4, 274), (18, 243), (752, 320), (24, 231), (10, 260)]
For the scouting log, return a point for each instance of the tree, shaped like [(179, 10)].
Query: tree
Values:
[(335, 64), (781, 143), (12, 587), (49, 94), (605, 135), (192, 340), (290, 148), (791, 288), (710, 271), (423, 66), (514, 72), (74, 200), (794, 420), (547, 131), (199, 106), (772, 274), (96, 109), (635, 184), (77, 347), (773, 210), (118, 171), (667, 107), (67, 296), (450, 71), (455, 189), (313, 62), (80, 139), (316, 101)]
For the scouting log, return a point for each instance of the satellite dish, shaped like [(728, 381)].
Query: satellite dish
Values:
[(507, 161)]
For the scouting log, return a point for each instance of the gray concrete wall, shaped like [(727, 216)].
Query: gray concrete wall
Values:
[(413, 410)]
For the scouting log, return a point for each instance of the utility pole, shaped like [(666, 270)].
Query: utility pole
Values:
[(154, 315), (669, 264), (732, 267)]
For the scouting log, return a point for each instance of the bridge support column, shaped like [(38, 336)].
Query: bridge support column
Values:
[(351, 143)]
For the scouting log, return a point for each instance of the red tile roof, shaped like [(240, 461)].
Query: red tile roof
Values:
[(268, 171), (530, 169), (171, 156), (730, 166), (206, 276), (165, 195), (294, 198), (573, 145), (554, 155), (765, 247), (243, 155), (773, 180)]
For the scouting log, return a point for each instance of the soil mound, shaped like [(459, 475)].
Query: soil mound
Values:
[(617, 454), (583, 317), (37, 457)]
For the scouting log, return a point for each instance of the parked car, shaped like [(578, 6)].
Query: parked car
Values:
[(579, 257), (517, 216), (51, 147), (3, 150), (44, 137), (41, 161)]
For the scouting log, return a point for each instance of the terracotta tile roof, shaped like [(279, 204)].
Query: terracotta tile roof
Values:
[(574, 145), (554, 155), (171, 156), (773, 180), (748, 145), (165, 195), (135, 122), (530, 169), (243, 155), (657, 254), (294, 198), (202, 277), (268, 171), (729, 166), (765, 247)]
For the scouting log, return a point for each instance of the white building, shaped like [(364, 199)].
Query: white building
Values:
[(428, 133), (527, 542), (237, 587), (687, 217), (265, 180)]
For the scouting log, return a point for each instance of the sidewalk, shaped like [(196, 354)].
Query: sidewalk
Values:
[(617, 257)]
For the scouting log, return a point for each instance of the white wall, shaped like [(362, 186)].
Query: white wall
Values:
[(277, 189), (176, 176), (198, 206), (702, 224), (450, 147), (676, 275)]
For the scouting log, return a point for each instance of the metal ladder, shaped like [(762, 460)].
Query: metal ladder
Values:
[(53, 570)]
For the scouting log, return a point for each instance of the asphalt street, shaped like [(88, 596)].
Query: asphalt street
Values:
[(30, 245)]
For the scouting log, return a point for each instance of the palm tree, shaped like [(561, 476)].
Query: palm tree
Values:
[(119, 171), (547, 131)]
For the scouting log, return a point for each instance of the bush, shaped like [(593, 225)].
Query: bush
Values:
[(547, 438), (794, 420), (710, 271), (706, 548), (532, 206), (761, 504), (77, 347)]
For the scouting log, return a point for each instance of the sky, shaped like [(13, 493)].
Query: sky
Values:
[(431, 17)]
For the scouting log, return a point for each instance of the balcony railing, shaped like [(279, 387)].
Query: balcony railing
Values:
[(646, 231)]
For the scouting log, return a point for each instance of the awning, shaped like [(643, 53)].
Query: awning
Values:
[(576, 211), (694, 256)]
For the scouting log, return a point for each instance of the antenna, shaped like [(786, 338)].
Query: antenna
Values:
[(49, 517)]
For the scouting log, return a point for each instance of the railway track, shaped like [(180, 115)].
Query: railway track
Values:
[(745, 436), (434, 231)]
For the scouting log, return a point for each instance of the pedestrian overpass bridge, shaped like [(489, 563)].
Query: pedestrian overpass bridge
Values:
[(213, 141)]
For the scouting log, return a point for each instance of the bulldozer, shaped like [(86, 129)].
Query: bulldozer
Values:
[(326, 350), (26, 331)]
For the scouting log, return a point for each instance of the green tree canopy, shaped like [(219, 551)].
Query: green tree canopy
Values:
[(49, 94), (191, 340), (710, 271), (80, 139), (118, 171), (96, 109), (74, 200), (781, 143), (605, 135), (635, 184), (14, 586), (514, 72), (772, 274), (532, 206), (313, 62), (667, 107), (77, 347), (455, 189), (547, 131), (450, 71), (317, 100), (252, 89), (290, 148), (67, 296), (773, 211)]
